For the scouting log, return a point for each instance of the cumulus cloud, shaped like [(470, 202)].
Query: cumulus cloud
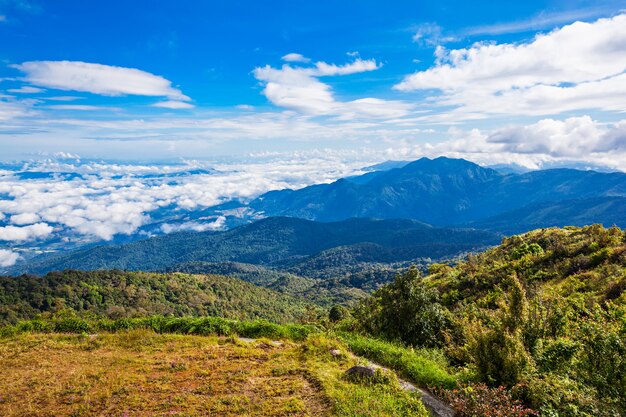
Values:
[(173, 104), (194, 226), (98, 79), (25, 218), (543, 143), (8, 258), (299, 88), (294, 57), (22, 234), (579, 66)]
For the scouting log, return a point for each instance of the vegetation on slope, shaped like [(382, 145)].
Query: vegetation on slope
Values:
[(128, 294), (543, 315), (323, 292)]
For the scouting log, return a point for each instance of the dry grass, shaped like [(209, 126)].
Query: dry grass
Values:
[(140, 373)]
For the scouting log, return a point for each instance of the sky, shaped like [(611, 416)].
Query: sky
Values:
[(148, 80), (120, 118)]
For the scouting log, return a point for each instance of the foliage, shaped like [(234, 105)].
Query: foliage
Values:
[(481, 400), (426, 367), (117, 294), (68, 322), (543, 314), (277, 242), (405, 310), (338, 313)]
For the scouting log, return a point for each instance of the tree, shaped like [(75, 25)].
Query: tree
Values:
[(405, 310)]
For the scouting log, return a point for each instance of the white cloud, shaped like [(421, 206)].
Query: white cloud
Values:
[(299, 88), (217, 224), (22, 234), (11, 110), (82, 107), (541, 21), (66, 155), (294, 57), (110, 199), (25, 218), (63, 98), (98, 79), (173, 104), (580, 66), (431, 34), (8, 258), (543, 143), (26, 90)]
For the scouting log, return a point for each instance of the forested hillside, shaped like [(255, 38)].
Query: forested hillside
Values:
[(128, 294), (543, 315), (279, 242)]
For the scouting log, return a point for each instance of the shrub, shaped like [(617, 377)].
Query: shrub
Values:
[(499, 356), (480, 400), (406, 310), (337, 313)]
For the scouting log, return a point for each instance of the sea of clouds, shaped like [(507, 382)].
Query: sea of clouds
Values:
[(59, 203)]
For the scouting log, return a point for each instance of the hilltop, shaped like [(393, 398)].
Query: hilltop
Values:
[(534, 326)]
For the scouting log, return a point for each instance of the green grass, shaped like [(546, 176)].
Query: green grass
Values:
[(69, 323), (426, 367), (380, 396)]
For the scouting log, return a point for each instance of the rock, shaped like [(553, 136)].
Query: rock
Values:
[(335, 352), (435, 406), (360, 372)]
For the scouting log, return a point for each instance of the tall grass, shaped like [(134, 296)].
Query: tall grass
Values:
[(425, 368), (160, 324)]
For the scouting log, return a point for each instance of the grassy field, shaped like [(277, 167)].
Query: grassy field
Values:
[(139, 373)]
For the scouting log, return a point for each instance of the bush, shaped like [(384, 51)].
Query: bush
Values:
[(499, 356), (159, 324), (480, 400), (337, 313), (405, 310)]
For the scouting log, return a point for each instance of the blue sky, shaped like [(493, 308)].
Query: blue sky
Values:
[(201, 79)]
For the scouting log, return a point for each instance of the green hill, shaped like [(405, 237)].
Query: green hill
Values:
[(543, 315), (125, 294), (322, 292)]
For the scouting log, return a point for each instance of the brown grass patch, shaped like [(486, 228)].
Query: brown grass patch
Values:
[(140, 373)]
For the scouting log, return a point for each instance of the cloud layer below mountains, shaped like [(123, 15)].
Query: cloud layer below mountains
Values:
[(69, 199)]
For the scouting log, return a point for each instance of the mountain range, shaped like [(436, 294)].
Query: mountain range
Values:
[(449, 192), (395, 214), (279, 242)]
